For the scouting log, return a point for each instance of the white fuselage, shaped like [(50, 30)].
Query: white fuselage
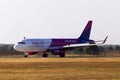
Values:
[(34, 45)]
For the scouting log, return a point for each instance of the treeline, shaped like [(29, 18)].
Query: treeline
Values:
[(98, 49), (103, 50), (7, 49)]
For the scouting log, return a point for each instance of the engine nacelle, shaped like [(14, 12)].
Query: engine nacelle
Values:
[(58, 51)]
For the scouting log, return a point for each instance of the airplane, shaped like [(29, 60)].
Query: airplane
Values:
[(57, 46)]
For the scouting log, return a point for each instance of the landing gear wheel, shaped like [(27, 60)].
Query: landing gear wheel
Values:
[(25, 56), (62, 55), (45, 55)]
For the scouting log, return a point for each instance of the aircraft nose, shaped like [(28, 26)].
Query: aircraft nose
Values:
[(17, 47)]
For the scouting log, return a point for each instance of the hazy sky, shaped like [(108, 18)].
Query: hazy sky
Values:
[(58, 19)]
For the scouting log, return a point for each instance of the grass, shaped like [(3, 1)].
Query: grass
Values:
[(60, 69)]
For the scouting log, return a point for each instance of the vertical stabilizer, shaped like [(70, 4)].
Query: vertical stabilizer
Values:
[(86, 32)]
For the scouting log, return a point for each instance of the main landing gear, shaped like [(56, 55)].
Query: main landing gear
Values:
[(45, 55), (62, 55)]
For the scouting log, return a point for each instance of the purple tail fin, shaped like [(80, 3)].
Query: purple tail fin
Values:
[(86, 33)]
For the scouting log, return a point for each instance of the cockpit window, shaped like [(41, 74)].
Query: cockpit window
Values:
[(21, 42)]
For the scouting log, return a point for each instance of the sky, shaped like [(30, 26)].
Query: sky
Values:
[(59, 19)]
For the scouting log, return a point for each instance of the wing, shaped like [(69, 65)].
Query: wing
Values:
[(74, 46)]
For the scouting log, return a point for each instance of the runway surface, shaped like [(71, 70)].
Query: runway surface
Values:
[(59, 68)]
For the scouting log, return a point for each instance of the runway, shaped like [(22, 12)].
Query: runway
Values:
[(59, 68)]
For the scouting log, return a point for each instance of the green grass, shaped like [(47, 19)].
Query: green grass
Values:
[(60, 69)]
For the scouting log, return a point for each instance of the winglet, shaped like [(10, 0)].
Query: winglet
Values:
[(105, 39)]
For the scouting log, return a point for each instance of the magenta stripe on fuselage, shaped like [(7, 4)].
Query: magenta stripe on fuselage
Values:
[(63, 42)]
